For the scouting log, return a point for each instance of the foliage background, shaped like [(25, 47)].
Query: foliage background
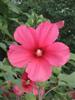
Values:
[(55, 10)]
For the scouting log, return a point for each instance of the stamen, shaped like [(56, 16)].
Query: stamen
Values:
[(39, 52), (28, 82)]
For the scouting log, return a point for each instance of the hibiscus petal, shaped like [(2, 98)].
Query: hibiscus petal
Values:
[(24, 36), (35, 91), (27, 89), (18, 90), (47, 33), (58, 54), (60, 24), (39, 71), (18, 56)]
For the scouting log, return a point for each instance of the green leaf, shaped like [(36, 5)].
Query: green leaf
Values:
[(4, 66), (16, 20), (56, 70), (30, 97), (69, 80), (72, 62), (34, 19), (72, 56), (12, 6), (3, 46), (8, 77), (1, 92), (1, 82), (4, 26)]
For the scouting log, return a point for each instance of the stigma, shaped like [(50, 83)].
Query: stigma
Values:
[(39, 52)]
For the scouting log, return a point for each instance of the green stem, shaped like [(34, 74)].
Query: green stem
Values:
[(17, 98), (50, 90), (39, 94)]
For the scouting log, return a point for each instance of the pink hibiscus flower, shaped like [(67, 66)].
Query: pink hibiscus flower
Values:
[(18, 90), (28, 86), (38, 51)]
